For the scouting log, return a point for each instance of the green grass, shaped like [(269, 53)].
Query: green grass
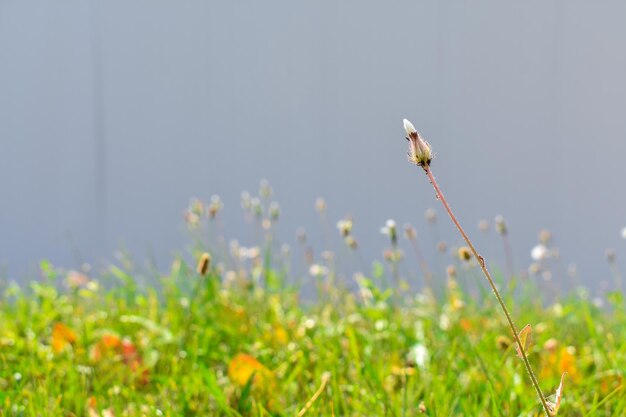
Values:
[(255, 338), (187, 329)]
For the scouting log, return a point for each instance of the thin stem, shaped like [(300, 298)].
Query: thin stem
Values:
[(325, 379), (481, 262), (422, 262)]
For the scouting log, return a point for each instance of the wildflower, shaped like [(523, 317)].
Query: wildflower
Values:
[(418, 356), (409, 232), (392, 256), (539, 252), (265, 190), (483, 226), (464, 253), (431, 215), (77, 279), (191, 219), (301, 235), (351, 242), (550, 345), (610, 256), (442, 246), (419, 151), (545, 236), (345, 227), (503, 343), (390, 230), (320, 205), (624, 232), (501, 225), (249, 253), (327, 256), (214, 206), (317, 270), (246, 201), (451, 271), (196, 207), (274, 211), (534, 268)]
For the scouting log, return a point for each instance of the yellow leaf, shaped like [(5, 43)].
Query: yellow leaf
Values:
[(61, 337), (526, 338), (243, 367)]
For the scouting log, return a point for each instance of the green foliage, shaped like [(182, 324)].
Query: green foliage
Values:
[(130, 350)]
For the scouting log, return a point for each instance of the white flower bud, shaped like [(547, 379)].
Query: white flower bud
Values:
[(408, 127), (419, 151)]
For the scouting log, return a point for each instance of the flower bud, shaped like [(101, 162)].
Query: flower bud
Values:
[(391, 231), (419, 151)]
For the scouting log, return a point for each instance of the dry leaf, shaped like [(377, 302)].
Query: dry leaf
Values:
[(526, 337), (554, 406)]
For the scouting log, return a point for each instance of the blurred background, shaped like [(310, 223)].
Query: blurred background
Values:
[(114, 114)]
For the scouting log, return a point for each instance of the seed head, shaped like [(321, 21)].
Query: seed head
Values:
[(451, 271), (464, 253), (301, 235), (351, 242), (274, 211), (265, 189), (256, 207), (419, 150), (501, 225), (345, 227), (214, 206), (610, 256), (545, 236), (409, 232), (246, 201), (203, 264)]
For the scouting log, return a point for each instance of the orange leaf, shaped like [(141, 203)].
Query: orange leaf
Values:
[(109, 343), (242, 367), (61, 337), (526, 337)]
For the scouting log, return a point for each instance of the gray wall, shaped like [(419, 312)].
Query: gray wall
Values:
[(113, 114)]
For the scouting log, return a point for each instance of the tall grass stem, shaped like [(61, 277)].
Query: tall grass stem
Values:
[(481, 262)]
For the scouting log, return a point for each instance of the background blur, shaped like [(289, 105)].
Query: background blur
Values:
[(113, 114)]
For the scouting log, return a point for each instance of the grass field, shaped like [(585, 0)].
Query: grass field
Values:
[(241, 340)]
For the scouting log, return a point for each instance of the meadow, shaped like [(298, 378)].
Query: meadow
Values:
[(236, 331)]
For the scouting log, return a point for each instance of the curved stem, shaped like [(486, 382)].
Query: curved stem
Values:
[(481, 262)]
